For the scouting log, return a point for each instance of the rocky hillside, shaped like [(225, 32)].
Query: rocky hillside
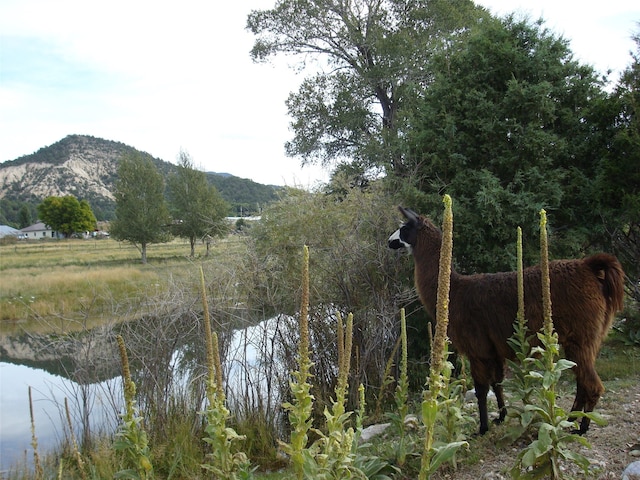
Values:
[(86, 167)]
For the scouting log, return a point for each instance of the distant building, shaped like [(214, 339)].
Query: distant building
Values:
[(6, 231), (37, 231)]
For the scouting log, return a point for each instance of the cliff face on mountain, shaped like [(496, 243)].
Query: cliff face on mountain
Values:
[(78, 165)]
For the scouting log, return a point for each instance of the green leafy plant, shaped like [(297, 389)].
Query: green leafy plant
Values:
[(302, 401), (334, 453)]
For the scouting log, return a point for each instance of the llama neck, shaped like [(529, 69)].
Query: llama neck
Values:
[(426, 255)]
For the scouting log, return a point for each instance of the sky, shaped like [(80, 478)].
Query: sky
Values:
[(169, 76)]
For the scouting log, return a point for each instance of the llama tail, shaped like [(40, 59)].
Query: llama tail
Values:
[(609, 271)]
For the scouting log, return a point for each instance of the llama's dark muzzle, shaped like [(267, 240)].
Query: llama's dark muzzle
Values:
[(395, 242)]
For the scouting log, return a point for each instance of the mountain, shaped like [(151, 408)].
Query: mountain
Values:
[(86, 167)]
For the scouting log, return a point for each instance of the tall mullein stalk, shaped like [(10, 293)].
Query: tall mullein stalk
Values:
[(402, 392), (344, 356), (439, 344), (214, 366), (222, 462), (520, 315), (128, 385), (440, 369), (362, 409), (541, 458), (338, 442), (521, 385), (302, 401), (544, 271), (38, 471), (131, 438), (552, 348)]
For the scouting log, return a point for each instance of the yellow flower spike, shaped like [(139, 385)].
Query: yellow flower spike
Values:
[(544, 271)]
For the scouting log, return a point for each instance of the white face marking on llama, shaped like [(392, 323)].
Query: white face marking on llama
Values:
[(396, 242)]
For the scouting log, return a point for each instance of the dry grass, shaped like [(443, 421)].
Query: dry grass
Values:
[(45, 282)]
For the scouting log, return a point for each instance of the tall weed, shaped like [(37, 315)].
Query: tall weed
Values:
[(437, 396), (131, 438), (223, 460)]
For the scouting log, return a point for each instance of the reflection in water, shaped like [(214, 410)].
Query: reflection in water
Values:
[(165, 356), (48, 392)]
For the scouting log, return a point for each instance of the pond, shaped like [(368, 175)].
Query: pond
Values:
[(84, 370)]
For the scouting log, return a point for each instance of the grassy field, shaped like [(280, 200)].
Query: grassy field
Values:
[(43, 282)]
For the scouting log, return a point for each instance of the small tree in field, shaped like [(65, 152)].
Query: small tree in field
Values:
[(197, 207), (141, 211), (67, 215)]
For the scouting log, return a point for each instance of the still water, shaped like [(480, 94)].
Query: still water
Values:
[(244, 365), (48, 392)]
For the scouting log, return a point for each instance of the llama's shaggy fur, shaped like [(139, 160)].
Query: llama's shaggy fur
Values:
[(585, 295)]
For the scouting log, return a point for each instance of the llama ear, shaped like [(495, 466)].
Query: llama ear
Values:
[(409, 214)]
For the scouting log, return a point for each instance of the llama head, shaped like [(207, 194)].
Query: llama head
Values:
[(405, 237)]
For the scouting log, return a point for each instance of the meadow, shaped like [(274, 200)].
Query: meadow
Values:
[(52, 281)]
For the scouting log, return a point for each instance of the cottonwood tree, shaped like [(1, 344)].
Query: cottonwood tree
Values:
[(371, 58), (198, 209), (506, 128), (67, 215), (142, 216)]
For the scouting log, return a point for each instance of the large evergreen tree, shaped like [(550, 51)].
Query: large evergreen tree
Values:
[(505, 128), (142, 216), (619, 176), (198, 209)]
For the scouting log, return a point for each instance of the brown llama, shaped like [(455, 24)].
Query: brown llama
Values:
[(585, 295)]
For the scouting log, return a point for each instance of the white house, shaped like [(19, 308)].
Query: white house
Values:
[(37, 231)]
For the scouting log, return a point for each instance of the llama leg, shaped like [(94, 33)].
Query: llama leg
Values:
[(502, 409), (580, 400), (481, 395), (592, 389), (498, 390), (589, 387)]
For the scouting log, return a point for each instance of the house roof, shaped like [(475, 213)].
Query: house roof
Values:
[(7, 230), (36, 227)]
